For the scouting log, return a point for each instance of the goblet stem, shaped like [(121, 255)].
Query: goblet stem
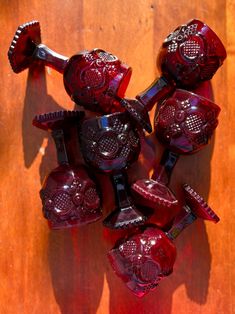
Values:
[(62, 156), (120, 186), (125, 213), (157, 91), (163, 171), (187, 219), (50, 58)]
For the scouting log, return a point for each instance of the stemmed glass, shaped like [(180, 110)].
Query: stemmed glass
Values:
[(144, 258), (110, 144), (90, 77), (191, 54), (95, 79), (69, 195), (184, 123)]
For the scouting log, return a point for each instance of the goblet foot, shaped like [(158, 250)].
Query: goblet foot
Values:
[(23, 45), (152, 193), (198, 206), (124, 218), (143, 259)]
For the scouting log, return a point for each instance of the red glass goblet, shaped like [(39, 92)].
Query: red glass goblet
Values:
[(110, 144), (144, 258), (184, 123), (91, 78), (188, 56), (69, 196)]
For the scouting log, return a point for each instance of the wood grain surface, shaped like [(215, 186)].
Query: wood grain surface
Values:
[(51, 272)]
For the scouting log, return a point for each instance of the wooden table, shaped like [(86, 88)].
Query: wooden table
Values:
[(67, 272)]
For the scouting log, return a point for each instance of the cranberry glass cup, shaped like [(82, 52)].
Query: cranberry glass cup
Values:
[(69, 196), (184, 123), (144, 258), (188, 56), (110, 144)]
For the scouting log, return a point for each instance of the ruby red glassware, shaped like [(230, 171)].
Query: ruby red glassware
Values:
[(144, 258), (69, 195), (94, 79), (110, 144), (189, 55), (184, 123), (91, 78)]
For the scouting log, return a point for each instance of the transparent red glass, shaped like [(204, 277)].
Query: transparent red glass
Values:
[(94, 79), (110, 144), (69, 195), (143, 259), (184, 123), (188, 56)]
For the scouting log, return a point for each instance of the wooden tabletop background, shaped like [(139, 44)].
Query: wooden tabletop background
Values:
[(51, 272)]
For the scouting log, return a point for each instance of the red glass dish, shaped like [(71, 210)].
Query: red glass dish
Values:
[(184, 123), (143, 259), (188, 56), (69, 195), (110, 144)]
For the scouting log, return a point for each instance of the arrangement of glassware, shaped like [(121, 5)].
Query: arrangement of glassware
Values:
[(110, 142)]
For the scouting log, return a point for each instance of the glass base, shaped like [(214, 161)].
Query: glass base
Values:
[(124, 218), (153, 193), (23, 45)]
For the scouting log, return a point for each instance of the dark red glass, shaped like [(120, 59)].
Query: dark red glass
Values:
[(26, 48), (191, 54), (184, 123), (188, 56), (94, 79), (110, 144), (144, 258), (69, 195)]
